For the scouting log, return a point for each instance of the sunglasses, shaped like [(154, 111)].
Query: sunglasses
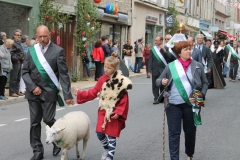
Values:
[(19, 35)]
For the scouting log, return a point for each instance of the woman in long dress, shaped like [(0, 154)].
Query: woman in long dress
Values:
[(217, 56)]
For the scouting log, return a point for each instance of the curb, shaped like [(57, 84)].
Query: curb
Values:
[(14, 100)]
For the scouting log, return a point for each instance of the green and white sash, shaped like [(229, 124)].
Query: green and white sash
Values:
[(45, 70), (233, 52), (159, 56), (184, 88), (171, 53)]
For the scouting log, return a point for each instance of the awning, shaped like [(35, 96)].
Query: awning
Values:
[(207, 35), (190, 29), (229, 36)]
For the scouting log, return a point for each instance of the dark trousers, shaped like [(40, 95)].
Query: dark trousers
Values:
[(138, 64), (15, 76), (155, 89), (146, 64), (233, 70), (3, 81), (176, 114), (99, 69), (40, 110)]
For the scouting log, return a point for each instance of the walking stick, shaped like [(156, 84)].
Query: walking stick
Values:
[(163, 134)]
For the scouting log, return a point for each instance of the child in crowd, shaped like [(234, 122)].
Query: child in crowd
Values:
[(107, 134)]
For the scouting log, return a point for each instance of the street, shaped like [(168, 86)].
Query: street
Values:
[(217, 138)]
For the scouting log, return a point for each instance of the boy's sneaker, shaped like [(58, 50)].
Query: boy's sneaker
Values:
[(104, 155)]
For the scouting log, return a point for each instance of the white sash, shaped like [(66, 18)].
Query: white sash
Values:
[(46, 65), (160, 55)]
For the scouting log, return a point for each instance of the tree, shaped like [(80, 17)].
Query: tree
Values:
[(86, 27), (51, 16), (174, 29)]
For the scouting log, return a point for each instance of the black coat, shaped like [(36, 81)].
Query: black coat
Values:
[(17, 54), (55, 56)]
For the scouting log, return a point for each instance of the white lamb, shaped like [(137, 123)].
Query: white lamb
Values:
[(68, 130)]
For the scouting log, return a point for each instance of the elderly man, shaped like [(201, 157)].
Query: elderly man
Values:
[(17, 57), (196, 53), (167, 38), (3, 37), (44, 66)]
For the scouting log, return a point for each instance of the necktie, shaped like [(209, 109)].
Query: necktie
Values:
[(42, 49)]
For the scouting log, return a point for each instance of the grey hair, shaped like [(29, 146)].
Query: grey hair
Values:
[(24, 38), (200, 35), (14, 32), (169, 35), (31, 42), (2, 34)]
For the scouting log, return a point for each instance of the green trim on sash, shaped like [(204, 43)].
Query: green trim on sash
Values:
[(183, 93), (157, 57), (44, 74), (232, 52)]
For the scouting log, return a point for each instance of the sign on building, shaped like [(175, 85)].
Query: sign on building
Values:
[(169, 20)]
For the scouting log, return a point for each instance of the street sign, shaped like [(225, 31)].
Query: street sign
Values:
[(169, 20), (236, 26), (214, 28)]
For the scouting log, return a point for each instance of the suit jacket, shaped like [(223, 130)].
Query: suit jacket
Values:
[(197, 55), (55, 56), (17, 54), (154, 66), (206, 54)]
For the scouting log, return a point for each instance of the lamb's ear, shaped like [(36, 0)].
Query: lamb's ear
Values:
[(47, 127), (60, 129)]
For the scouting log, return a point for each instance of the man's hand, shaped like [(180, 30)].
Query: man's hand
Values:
[(37, 91), (115, 116), (149, 74), (69, 101), (164, 81), (192, 100), (209, 70), (163, 48)]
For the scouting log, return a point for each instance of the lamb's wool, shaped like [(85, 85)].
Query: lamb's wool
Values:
[(112, 91)]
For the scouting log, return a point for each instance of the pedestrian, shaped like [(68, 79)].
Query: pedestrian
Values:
[(24, 44), (86, 61), (98, 58), (17, 57), (106, 46), (115, 49), (180, 78), (206, 56), (127, 54), (217, 57), (167, 38), (138, 56), (3, 37), (44, 66), (208, 43), (196, 53), (158, 60), (112, 129), (225, 68), (232, 62), (146, 55), (5, 65)]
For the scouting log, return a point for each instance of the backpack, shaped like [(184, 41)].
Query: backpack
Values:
[(136, 48)]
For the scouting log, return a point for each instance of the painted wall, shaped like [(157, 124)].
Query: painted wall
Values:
[(11, 11)]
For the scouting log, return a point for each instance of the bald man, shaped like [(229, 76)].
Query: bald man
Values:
[(44, 66)]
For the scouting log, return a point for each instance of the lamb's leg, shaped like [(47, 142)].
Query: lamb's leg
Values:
[(84, 149), (64, 154), (104, 123), (77, 151)]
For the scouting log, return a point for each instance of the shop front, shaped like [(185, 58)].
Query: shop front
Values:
[(204, 29), (192, 27)]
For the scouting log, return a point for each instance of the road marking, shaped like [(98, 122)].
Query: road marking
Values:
[(1, 125), (21, 119), (59, 109)]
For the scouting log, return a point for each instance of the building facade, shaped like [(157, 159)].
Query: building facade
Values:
[(19, 14)]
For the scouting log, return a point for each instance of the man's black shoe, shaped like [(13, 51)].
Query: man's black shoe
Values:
[(56, 150), (37, 157)]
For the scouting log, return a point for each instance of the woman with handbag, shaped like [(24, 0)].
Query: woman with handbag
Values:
[(187, 85)]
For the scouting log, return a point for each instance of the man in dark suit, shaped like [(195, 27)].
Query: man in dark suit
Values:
[(156, 66), (196, 53), (41, 97)]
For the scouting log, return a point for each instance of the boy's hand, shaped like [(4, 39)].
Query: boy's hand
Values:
[(115, 116), (74, 91)]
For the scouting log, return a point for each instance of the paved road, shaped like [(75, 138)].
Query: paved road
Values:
[(217, 139)]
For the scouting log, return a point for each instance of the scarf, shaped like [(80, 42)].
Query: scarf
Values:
[(185, 64)]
